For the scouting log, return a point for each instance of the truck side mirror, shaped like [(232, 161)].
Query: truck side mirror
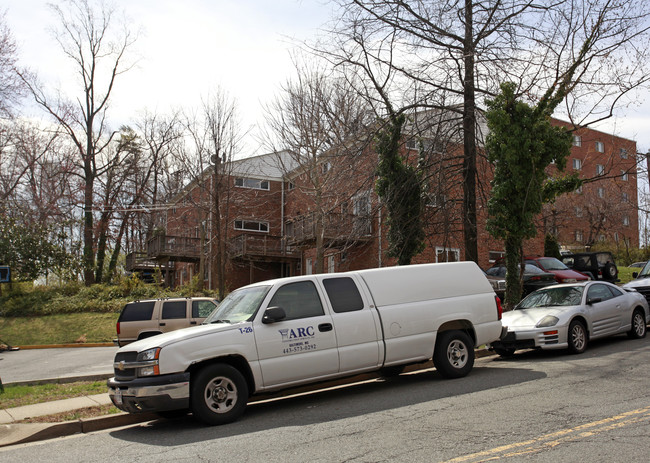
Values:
[(273, 314), (635, 274)]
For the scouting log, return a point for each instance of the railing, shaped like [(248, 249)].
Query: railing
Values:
[(336, 226), (139, 261), (180, 247), (260, 245)]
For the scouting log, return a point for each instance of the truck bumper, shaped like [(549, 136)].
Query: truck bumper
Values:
[(156, 394)]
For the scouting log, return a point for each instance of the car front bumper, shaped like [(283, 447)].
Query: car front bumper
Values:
[(155, 394), (542, 338)]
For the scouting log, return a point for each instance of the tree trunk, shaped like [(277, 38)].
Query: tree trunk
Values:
[(470, 235)]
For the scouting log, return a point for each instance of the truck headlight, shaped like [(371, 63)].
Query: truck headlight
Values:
[(549, 320), (148, 362)]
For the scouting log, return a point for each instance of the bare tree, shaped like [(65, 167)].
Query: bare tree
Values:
[(96, 42), (11, 87), (321, 120), (214, 139)]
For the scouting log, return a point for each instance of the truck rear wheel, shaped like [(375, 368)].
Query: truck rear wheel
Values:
[(454, 354), (218, 394)]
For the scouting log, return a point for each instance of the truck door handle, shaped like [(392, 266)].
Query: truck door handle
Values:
[(162, 324), (325, 327), (192, 323)]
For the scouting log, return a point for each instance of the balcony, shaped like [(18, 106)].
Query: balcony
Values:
[(337, 228), (261, 247), (174, 248)]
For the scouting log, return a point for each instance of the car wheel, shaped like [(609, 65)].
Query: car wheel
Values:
[(219, 394), (505, 351), (454, 354), (638, 330), (577, 337), (610, 271)]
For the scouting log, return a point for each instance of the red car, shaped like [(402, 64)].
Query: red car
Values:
[(563, 274)]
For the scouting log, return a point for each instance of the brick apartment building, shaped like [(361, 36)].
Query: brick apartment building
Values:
[(281, 217)]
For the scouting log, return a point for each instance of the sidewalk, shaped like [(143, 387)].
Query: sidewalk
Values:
[(12, 433)]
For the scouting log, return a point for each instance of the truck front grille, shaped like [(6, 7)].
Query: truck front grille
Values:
[(126, 373)]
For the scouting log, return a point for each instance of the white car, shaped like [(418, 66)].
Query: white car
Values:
[(569, 316)]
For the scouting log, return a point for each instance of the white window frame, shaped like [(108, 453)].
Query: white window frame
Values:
[(577, 164), (447, 251), (493, 256), (600, 146), (626, 220), (577, 140), (600, 169), (601, 192), (623, 153), (579, 236), (252, 183), (624, 176), (578, 211), (626, 197), (330, 264), (308, 266), (246, 225)]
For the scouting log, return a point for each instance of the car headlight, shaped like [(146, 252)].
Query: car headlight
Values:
[(548, 320), (147, 362)]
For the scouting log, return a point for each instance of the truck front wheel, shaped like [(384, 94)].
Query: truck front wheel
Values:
[(218, 394), (454, 354)]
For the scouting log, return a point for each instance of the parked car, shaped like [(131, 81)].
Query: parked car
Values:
[(143, 319), (641, 282), (597, 265), (571, 315), (534, 277), (639, 264), (563, 274), (498, 284)]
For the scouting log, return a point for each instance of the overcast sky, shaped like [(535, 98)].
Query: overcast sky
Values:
[(190, 47)]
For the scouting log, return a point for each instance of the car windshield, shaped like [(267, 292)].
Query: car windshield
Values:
[(645, 271), (551, 263), (239, 305), (553, 297)]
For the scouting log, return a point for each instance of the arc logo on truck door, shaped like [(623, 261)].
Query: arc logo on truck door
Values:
[(301, 345)]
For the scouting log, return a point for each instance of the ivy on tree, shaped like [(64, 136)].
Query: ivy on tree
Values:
[(399, 186), (521, 144)]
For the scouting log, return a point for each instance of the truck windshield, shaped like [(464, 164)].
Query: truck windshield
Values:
[(239, 305)]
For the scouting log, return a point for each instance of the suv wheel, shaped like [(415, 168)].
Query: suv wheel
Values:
[(610, 271)]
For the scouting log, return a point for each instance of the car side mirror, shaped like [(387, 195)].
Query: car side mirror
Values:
[(635, 274), (273, 314), (594, 300)]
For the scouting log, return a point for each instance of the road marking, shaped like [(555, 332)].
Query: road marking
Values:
[(554, 439)]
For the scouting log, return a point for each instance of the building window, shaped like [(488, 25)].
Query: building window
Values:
[(579, 190), (624, 176), (330, 264), (626, 197), (325, 167), (308, 269), (493, 256), (623, 153), (577, 140), (579, 236), (253, 183), (577, 164), (290, 186), (447, 254), (601, 237), (601, 192), (250, 225), (412, 144), (578, 211), (626, 220), (600, 147), (436, 200), (600, 169)]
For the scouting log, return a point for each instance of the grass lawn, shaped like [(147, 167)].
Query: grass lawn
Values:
[(17, 396), (58, 329)]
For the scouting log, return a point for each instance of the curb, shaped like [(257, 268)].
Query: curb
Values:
[(59, 346), (62, 380), (13, 434)]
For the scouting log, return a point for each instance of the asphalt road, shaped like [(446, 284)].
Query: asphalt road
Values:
[(38, 364), (538, 406)]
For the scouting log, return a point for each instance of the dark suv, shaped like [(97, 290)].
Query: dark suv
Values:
[(596, 265)]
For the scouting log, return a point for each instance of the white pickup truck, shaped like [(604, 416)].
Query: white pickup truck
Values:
[(281, 333)]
